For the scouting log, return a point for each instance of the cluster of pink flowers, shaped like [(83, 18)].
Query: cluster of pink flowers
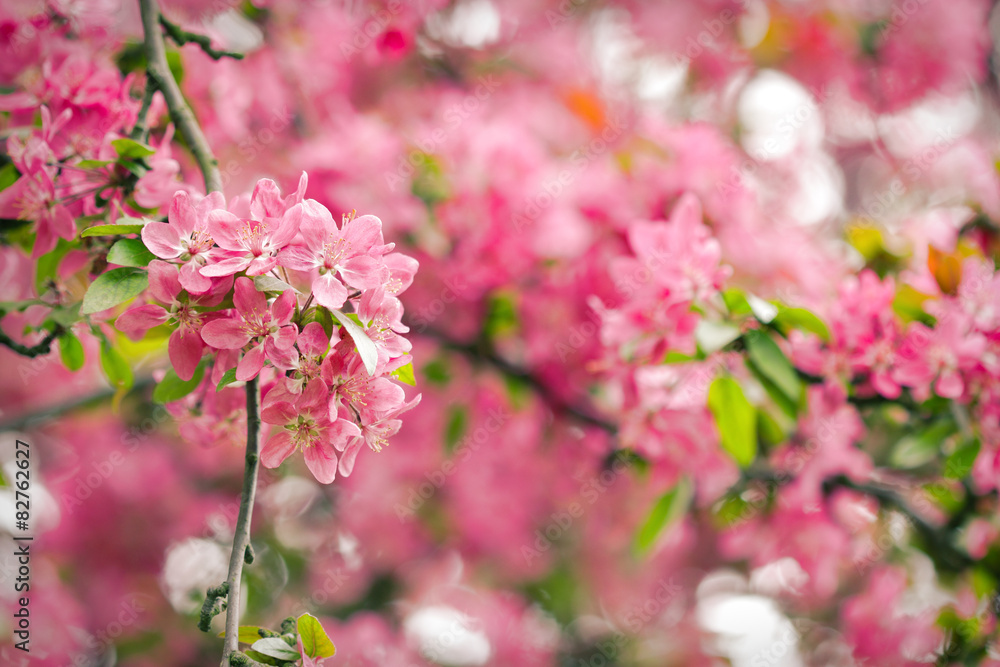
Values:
[(328, 342)]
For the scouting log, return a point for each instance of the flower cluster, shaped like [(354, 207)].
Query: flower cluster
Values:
[(273, 288)]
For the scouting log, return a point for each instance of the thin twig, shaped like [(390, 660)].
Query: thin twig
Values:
[(58, 410), (241, 540), (180, 112), (38, 350), (546, 393), (182, 37)]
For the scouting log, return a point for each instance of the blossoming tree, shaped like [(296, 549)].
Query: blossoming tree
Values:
[(706, 319)]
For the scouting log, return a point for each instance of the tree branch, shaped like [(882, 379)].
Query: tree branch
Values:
[(241, 540), (182, 37), (180, 112), (42, 348), (546, 393)]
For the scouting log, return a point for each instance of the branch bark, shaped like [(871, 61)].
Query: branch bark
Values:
[(158, 70), (241, 540), (182, 116)]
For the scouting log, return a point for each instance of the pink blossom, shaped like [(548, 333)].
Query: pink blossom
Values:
[(939, 355), (375, 434), (267, 329), (185, 346), (307, 425), (347, 251), (252, 244), (185, 237)]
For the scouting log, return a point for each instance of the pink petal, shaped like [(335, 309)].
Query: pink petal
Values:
[(164, 282), (949, 384), (162, 240), (363, 233), (265, 202), (192, 280), (260, 265), (385, 395), (299, 258), (225, 229), (285, 337), (225, 334), (321, 460), (364, 272), (278, 448), (226, 267), (136, 321), (283, 308), (317, 224), (248, 300), (182, 214), (313, 400), (185, 349), (251, 364), (313, 339), (329, 291), (288, 227), (279, 412), (284, 359), (349, 456)]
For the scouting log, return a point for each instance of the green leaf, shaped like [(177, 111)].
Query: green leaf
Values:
[(501, 315), (248, 634), (93, 164), (3, 480), (801, 319), (437, 373), (112, 230), (668, 508), (71, 351), (736, 301), (172, 388), (735, 418), (266, 283), (917, 449), (677, 358), (713, 336), (48, 264), (960, 463), (65, 316), (115, 368), (276, 647), (768, 358), (458, 420), (228, 378), (130, 252), (366, 348), (8, 175), (114, 287), (261, 658), (315, 641), (764, 311), (131, 149), (405, 374)]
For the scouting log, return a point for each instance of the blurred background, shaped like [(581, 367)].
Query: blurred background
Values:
[(509, 145)]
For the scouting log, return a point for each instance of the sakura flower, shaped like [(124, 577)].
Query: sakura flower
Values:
[(352, 386), (332, 250), (159, 184), (306, 425), (375, 434), (33, 196), (267, 328), (185, 346), (312, 344), (252, 244), (185, 237), (939, 355)]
